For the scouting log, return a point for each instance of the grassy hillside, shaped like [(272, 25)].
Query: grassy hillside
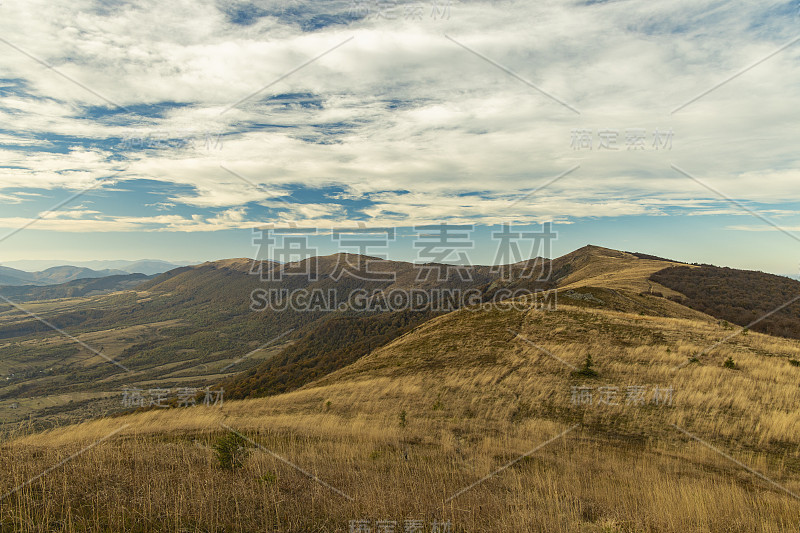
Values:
[(762, 302), (73, 289), (194, 326), (401, 432), (52, 276)]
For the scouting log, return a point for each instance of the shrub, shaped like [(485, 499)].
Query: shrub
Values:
[(231, 451), (794, 362), (586, 369), (729, 363), (270, 478), (438, 404)]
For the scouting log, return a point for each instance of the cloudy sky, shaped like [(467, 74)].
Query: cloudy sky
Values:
[(171, 129)]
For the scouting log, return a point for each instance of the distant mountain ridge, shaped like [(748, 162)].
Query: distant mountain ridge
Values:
[(73, 289), (210, 309), (52, 276), (12, 276), (58, 274)]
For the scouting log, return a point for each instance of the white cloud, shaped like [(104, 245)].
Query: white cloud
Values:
[(412, 110)]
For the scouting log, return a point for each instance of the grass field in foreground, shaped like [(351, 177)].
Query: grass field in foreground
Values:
[(401, 431)]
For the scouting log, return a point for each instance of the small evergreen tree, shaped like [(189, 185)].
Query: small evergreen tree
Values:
[(587, 369), (231, 450)]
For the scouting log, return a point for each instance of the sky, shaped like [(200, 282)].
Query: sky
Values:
[(170, 130)]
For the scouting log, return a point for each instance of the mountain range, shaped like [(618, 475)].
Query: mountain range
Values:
[(641, 395), (60, 273), (211, 315)]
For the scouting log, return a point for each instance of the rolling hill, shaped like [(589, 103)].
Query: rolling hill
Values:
[(761, 302), (71, 289), (195, 324), (620, 409), (12, 276), (51, 276), (148, 267)]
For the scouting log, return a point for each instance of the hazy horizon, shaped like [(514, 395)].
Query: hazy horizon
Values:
[(112, 264), (630, 125)]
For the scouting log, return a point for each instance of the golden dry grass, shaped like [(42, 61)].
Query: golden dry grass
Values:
[(475, 398), (595, 266)]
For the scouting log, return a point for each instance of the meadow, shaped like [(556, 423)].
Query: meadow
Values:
[(489, 397)]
